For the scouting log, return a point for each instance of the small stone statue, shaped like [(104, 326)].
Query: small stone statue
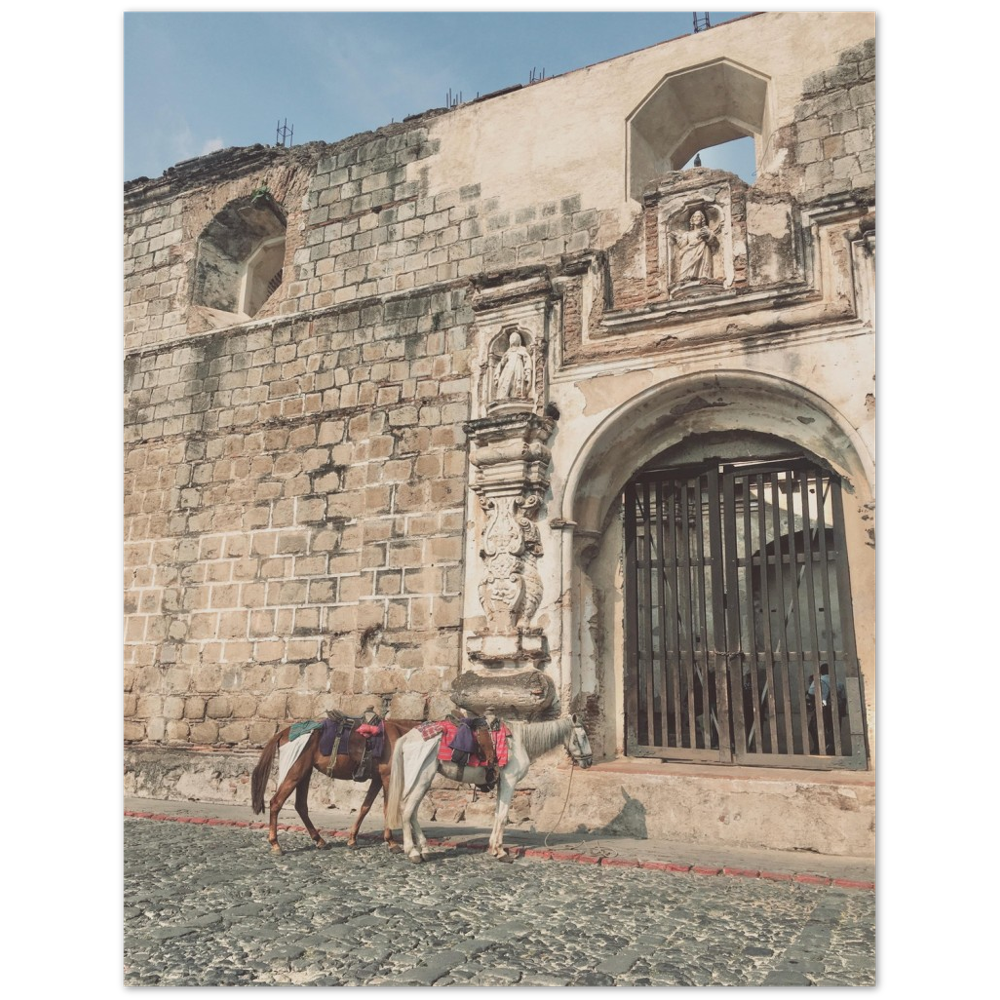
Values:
[(514, 373), (696, 249)]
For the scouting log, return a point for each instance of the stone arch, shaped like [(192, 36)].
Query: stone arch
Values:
[(240, 256), (686, 111), (665, 414), (729, 406)]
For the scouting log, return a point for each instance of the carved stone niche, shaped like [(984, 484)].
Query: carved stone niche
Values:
[(697, 219), (512, 322)]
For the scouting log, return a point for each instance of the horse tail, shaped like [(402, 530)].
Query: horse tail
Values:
[(393, 807), (261, 773)]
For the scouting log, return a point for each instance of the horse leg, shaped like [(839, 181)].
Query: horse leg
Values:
[(505, 795), (414, 841), (373, 790), (302, 808), (295, 774), (387, 837)]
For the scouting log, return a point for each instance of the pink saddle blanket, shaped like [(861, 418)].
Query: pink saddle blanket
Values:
[(447, 730)]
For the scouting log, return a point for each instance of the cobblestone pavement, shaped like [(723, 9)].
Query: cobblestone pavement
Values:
[(211, 906)]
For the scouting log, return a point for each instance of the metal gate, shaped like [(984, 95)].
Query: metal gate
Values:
[(739, 626)]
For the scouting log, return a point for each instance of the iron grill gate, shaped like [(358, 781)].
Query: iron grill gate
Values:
[(739, 626)]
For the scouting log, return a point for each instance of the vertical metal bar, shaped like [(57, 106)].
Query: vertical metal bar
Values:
[(674, 631), (751, 632), (822, 479), (807, 550), (855, 701), (734, 641), (664, 609), (647, 597), (794, 612), (686, 617), (720, 659), (631, 624), (779, 575), (765, 610), (705, 666)]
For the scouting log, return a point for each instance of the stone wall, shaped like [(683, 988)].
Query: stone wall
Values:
[(295, 520)]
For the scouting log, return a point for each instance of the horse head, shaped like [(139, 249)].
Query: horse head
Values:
[(578, 745)]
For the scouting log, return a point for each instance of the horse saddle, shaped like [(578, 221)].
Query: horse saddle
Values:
[(466, 750), (335, 738)]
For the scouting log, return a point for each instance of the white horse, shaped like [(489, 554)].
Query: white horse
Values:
[(414, 764)]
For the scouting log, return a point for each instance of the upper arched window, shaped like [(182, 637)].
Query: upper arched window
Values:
[(240, 258), (689, 111)]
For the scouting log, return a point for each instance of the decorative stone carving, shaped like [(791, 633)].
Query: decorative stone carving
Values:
[(510, 462), (694, 250), (522, 694), (512, 588)]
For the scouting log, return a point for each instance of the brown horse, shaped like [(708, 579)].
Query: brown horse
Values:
[(300, 774)]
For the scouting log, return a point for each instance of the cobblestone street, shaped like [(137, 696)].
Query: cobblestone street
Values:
[(210, 905)]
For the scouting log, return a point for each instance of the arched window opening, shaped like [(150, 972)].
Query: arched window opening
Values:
[(695, 110), (240, 257)]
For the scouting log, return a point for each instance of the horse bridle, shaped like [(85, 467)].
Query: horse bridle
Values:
[(580, 758)]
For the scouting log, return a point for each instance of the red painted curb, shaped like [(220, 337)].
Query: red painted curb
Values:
[(620, 862), (537, 852), (588, 859), (705, 870), (847, 883), (742, 872), (565, 855), (777, 876), (813, 879)]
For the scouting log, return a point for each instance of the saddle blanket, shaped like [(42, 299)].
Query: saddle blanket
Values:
[(453, 738), (290, 753), (298, 740), (331, 729)]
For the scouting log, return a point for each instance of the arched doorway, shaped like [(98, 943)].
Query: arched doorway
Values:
[(720, 450), (739, 627)]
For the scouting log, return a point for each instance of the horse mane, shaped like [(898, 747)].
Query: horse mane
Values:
[(538, 737)]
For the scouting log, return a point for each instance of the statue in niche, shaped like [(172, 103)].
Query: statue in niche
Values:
[(696, 249), (515, 371)]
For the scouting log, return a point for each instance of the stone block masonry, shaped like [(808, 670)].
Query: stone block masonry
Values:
[(294, 520)]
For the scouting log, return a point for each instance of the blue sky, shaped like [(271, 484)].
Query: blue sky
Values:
[(196, 82)]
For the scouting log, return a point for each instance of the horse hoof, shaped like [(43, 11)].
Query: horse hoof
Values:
[(505, 859), (275, 849), (394, 848), (417, 860), (352, 844), (321, 845)]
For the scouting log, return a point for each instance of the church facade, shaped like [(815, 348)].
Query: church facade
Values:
[(507, 407)]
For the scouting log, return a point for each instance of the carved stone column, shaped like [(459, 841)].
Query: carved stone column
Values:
[(510, 461), (509, 477)]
